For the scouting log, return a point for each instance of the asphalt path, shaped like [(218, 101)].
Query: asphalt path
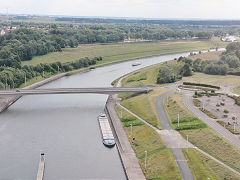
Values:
[(180, 159)]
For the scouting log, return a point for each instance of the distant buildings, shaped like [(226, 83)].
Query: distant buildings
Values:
[(6, 30), (229, 38)]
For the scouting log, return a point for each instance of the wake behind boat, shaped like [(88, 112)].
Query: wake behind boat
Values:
[(106, 132)]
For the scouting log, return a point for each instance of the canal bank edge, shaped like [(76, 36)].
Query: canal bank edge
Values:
[(128, 157), (10, 100)]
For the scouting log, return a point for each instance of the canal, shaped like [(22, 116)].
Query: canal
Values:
[(65, 128)]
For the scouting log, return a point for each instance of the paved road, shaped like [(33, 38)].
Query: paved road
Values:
[(183, 167), (174, 140), (188, 103)]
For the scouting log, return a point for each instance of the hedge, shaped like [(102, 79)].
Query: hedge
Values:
[(198, 84)]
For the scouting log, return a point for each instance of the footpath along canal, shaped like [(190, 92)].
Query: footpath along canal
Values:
[(65, 128)]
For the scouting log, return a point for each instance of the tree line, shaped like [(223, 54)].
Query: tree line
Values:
[(11, 77), (229, 62)]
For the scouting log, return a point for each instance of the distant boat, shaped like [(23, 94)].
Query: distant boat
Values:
[(106, 132), (136, 64)]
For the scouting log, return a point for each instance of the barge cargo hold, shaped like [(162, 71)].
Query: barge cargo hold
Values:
[(106, 132)]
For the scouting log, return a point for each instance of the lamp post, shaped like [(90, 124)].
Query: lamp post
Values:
[(145, 159), (178, 120), (25, 78), (131, 129)]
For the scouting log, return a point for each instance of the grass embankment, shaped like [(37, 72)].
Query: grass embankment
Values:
[(144, 106), (204, 138), (125, 51), (146, 76), (218, 80), (203, 167), (36, 79), (207, 56), (160, 162)]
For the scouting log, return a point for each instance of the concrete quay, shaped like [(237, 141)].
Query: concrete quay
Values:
[(129, 160)]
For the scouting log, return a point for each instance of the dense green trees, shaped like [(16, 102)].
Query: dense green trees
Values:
[(169, 73), (11, 77)]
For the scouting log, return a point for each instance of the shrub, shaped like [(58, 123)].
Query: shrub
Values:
[(196, 102), (199, 84), (208, 113), (228, 127), (226, 111)]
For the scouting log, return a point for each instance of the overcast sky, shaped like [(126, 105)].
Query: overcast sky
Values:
[(204, 9)]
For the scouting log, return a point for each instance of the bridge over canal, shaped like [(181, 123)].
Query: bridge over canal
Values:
[(109, 90)]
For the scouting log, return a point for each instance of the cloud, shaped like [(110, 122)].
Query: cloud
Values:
[(221, 9)]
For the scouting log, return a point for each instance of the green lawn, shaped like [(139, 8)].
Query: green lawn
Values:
[(125, 51), (160, 162), (203, 167), (149, 73), (204, 138), (144, 106)]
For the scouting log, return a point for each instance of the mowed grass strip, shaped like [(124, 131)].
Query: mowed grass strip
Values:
[(204, 138), (160, 161), (144, 106), (125, 51), (203, 167)]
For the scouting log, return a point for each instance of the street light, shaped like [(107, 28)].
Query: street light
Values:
[(178, 120), (131, 129), (145, 159), (25, 78)]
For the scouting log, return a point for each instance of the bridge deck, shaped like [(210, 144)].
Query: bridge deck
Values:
[(109, 90)]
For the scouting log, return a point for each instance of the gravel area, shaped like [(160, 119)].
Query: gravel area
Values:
[(224, 108)]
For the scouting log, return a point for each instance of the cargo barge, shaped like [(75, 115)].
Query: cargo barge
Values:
[(106, 132)]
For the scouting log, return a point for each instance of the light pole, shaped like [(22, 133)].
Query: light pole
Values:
[(25, 78), (58, 69), (6, 85), (145, 159), (178, 120), (131, 129), (167, 100)]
